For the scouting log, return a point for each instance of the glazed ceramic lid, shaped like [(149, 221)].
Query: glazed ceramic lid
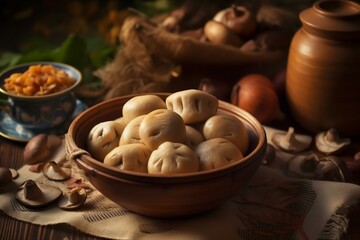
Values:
[(333, 16)]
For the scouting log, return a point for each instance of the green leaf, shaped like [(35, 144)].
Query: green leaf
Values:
[(99, 51), (84, 54), (72, 51), (34, 56), (8, 59), (156, 7)]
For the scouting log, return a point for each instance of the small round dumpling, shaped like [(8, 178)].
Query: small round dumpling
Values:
[(131, 132), (132, 157), (103, 138), (193, 137), (173, 158), (141, 105), (193, 105), (162, 125), (217, 152), (228, 127), (121, 120)]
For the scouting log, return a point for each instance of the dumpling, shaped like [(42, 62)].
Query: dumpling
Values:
[(121, 120), (193, 105), (103, 138), (217, 152), (160, 126), (141, 105), (131, 132), (193, 137), (173, 158), (228, 127), (132, 157)]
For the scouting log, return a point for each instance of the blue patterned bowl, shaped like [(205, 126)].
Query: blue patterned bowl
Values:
[(40, 112)]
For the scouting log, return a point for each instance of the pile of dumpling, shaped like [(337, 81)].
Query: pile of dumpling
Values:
[(182, 134)]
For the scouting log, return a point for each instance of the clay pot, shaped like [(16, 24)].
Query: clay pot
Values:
[(157, 195), (323, 73)]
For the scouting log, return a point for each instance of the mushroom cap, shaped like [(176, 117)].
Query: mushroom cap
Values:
[(329, 142), (291, 142), (35, 195), (5, 176), (332, 168), (303, 166), (40, 148), (73, 200), (54, 172)]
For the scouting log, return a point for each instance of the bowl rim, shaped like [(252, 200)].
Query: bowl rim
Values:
[(100, 168), (63, 66)]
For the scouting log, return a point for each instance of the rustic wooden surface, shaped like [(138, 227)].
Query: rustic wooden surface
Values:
[(11, 155)]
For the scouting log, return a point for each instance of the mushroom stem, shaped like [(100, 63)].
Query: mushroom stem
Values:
[(330, 142), (32, 190), (332, 135), (73, 200), (74, 195), (55, 167), (54, 172), (289, 139)]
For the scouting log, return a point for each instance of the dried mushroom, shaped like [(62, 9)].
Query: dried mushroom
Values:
[(73, 200), (55, 172), (5, 176), (291, 142), (40, 148), (35, 195), (329, 142), (303, 166), (332, 168)]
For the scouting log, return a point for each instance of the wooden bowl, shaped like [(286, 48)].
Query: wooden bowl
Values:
[(164, 196)]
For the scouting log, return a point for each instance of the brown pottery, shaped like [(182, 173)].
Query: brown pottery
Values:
[(323, 73), (169, 195)]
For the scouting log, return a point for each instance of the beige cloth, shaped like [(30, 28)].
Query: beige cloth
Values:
[(272, 206)]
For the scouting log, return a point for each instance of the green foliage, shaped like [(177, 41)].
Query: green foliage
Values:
[(72, 51), (85, 54), (155, 7)]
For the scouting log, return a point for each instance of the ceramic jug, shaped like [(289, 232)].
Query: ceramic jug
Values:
[(323, 70)]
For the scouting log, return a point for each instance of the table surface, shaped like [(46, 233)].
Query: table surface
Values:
[(11, 155)]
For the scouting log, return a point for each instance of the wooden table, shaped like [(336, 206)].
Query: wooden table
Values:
[(11, 155)]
